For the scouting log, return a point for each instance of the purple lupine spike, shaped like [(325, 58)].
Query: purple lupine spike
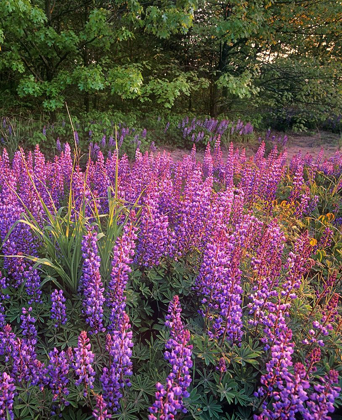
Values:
[(322, 400), (25, 365), (7, 343), (3, 296), (153, 147), (84, 358), (32, 285), (324, 326), (116, 376), (58, 309), (207, 162), (123, 253), (169, 398), (58, 145), (92, 284), (326, 238), (7, 393), (29, 331), (77, 140), (100, 412), (58, 370), (154, 232)]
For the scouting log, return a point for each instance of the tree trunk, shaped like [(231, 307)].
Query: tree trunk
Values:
[(213, 99)]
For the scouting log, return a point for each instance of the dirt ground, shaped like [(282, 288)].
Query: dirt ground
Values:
[(305, 143)]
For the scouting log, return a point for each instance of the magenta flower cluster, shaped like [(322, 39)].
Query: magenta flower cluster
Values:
[(58, 309), (169, 398), (91, 283)]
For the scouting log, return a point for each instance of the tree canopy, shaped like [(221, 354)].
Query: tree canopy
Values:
[(201, 56)]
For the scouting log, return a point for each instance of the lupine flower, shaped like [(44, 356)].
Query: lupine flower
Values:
[(76, 137), (123, 256), (100, 412), (169, 398), (58, 309), (58, 370), (7, 392), (116, 376), (28, 329), (92, 284), (84, 358)]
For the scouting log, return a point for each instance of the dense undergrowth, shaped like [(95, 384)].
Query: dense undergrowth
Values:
[(162, 289)]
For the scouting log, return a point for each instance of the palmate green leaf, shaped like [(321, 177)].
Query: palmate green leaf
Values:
[(72, 414), (246, 354), (193, 405), (206, 379), (211, 408), (143, 384), (226, 392), (205, 349), (140, 352)]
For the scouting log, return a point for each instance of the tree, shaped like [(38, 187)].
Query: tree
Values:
[(56, 49)]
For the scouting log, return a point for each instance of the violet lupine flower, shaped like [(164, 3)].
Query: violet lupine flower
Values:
[(228, 294), (153, 147), (324, 326), (103, 142), (322, 400), (7, 393), (111, 142), (267, 267), (298, 181), (154, 232), (25, 365), (208, 162), (7, 343), (84, 358), (123, 253), (298, 263), (326, 238), (32, 285), (100, 412), (222, 367), (3, 296), (169, 398), (116, 376), (58, 309), (92, 284), (277, 377), (58, 371), (27, 325), (76, 138), (193, 210), (58, 145)]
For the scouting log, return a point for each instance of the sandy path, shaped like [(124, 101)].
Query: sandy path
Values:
[(297, 142)]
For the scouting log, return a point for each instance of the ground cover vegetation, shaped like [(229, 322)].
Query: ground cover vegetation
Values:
[(135, 286), (155, 289)]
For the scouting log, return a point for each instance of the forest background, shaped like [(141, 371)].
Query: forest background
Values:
[(276, 64)]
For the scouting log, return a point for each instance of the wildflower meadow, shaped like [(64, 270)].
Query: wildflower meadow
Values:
[(161, 289)]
